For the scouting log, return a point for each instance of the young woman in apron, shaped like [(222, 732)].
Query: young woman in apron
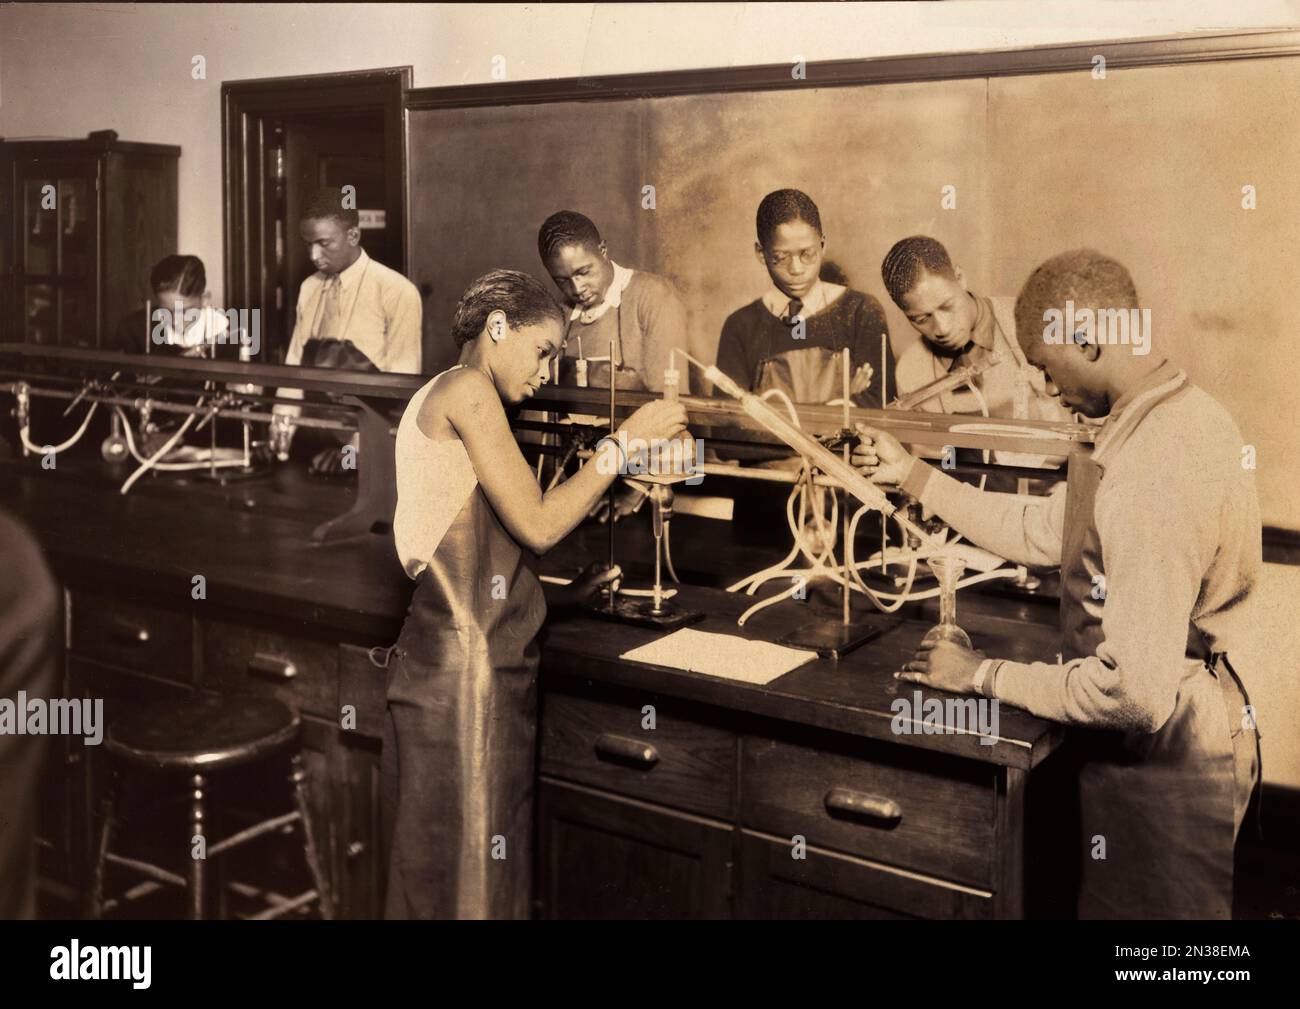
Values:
[(458, 757)]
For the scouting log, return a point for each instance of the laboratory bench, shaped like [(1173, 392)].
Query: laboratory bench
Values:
[(793, 799)]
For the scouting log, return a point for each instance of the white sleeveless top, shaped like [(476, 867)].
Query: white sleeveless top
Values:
[(434, 480)]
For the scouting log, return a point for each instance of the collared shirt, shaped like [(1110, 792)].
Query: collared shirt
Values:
[(777, 301), (1178, 519), (982, 339), (379, 315), (1010, 388), (613, 297)]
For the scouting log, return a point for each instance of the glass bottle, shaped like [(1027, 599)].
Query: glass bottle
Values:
[(948, 571), (114, 447)]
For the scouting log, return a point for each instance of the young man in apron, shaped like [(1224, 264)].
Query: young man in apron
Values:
[(1159, 542)]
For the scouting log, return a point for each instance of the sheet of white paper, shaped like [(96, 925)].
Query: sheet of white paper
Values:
[(723, 655)]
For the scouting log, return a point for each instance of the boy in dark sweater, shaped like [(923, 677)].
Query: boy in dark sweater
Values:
[(792, 336)]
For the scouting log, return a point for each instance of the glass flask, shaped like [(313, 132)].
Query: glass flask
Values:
[(948, 572), (114, 447)]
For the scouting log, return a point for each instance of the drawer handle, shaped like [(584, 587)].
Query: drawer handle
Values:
[(128, 634), (271, 667), (863, 806), (626, 750)]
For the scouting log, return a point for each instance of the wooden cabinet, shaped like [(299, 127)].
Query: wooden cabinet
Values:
[(601, 857), (129, 650), (82, 222), (713, 813), (917, 810), (680, 762), (775, 881)]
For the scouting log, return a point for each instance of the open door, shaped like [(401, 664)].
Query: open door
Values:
[(284, 137)]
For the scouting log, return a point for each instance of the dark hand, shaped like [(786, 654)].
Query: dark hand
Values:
[(327, 462), (880, 457), (595, 576), (944, 665), (626, 500)]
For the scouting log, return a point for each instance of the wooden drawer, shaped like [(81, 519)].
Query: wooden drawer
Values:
[(134, 635), (923, 811), (824, 885), (600, 742), (246, 659), (602, 858)]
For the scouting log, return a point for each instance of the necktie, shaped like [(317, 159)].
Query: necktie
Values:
[(331, 321), (792, 312)]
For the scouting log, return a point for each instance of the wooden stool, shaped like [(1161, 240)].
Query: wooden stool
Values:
[(201, 735)]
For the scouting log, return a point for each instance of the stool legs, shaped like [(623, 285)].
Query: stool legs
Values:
[(298, 777), (96, 909), (194, 892), (196, 875)]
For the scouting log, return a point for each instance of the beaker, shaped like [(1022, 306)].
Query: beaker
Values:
[(948, 571)]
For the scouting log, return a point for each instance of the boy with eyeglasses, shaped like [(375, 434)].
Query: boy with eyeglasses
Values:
[(792, 337)]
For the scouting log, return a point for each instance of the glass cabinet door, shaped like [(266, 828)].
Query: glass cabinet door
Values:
[(56, 255)]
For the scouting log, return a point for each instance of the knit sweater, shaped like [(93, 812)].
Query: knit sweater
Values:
[(854, 320), (649, 322)]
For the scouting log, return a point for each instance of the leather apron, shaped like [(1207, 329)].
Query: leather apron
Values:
[(458, 759), (1163, 802)]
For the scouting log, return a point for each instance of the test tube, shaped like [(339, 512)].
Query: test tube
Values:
[(672, 379)]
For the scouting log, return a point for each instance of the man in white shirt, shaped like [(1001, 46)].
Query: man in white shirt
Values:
[(353, 313)]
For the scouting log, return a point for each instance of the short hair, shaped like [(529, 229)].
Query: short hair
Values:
[(566, 227), (833, 273), (524, 300), (183, 274), (328, 202), (1084, 276), (782, 207), (905, 263)]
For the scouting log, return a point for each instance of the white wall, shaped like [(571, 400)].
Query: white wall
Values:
[(67, 69)]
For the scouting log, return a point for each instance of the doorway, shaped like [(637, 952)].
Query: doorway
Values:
[(283, 138)]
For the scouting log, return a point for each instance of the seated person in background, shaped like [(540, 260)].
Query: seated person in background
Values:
[(353, 313), (638, 311), (960, 329), (178, 322), (791, 337)]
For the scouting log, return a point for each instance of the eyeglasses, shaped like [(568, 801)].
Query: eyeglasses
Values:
[(806, 256)]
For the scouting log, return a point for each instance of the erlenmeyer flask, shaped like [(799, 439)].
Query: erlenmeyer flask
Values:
[(948, 570)]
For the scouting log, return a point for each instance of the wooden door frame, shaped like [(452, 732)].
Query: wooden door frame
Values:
[(245, 105)]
